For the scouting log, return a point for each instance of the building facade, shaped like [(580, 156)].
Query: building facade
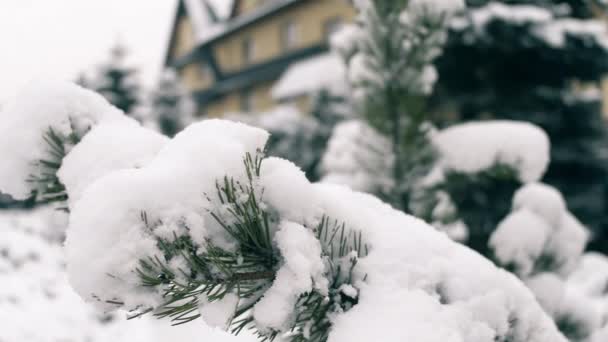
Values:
[(234, 63)]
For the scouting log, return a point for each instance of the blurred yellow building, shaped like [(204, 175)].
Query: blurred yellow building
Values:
[(245, 61)]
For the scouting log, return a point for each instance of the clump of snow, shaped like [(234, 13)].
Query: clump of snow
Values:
[(62, 106), (220, 312), (106, 148), (324, 72), (543, 243), (302, 271), (539, 233), (477, 146), (414, 283), (357, 157)]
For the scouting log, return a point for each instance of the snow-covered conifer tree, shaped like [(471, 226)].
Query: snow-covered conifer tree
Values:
[(211, 229), (171, 107), (539, 61), (116, 81)]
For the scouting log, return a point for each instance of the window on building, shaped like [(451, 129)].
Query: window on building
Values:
[(289, 35), (330, 26), (247, 100), (248, 50)]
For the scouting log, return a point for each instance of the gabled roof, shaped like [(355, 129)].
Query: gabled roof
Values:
[(234, 24)]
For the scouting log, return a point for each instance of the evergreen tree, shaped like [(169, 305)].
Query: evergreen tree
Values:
[(172, 108), (538, 61), (390, 69), (116, 81)]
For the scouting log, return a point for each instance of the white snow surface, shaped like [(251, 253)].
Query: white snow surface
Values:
[(326, 71), (477, 146), (42, 105), (37, 304), (419, 284)]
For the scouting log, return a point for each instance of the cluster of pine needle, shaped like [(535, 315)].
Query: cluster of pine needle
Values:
[(248, 271)]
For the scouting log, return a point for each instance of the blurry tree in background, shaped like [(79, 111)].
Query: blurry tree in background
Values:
[(389, 54), (539, 61), (172, 109), (116, 81)]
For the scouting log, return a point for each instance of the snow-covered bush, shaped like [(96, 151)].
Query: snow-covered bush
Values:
[(208, 227), (479, 167), (542, 242)]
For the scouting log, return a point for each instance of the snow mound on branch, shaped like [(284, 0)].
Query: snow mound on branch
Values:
[(418, 283), (477, 146), (539, 230), (107, 235), (106, 148), (302, 271), (357, 157), (62, 106)]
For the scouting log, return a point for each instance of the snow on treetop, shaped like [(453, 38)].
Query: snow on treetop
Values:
[(546, 25), (414, 283), (477, 146), (64, 107)]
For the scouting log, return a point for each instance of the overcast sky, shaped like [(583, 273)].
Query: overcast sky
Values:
[(60, 38)]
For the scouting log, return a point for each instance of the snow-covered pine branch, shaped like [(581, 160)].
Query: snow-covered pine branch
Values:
[(412, 283), (39, 129)]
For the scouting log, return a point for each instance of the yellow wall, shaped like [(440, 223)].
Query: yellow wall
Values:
[(231, 103), (196, 77), (309, 18), (184, 38)]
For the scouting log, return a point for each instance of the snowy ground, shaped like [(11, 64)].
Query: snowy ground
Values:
[(38, 305)]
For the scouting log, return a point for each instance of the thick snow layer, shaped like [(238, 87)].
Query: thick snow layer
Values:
[(106, 148), (415, 283), (37, 303), (171, 186), (477, 146), (357, 156), (62, 106), (326, 71)]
